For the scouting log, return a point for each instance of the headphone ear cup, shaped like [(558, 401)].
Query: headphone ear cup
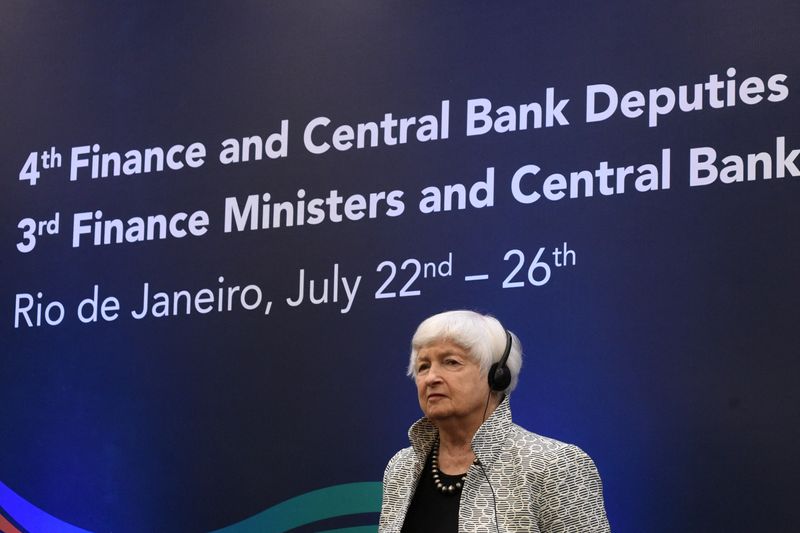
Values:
[(499, 373), (499, 377)]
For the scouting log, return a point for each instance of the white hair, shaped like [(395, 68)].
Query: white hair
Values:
[(482, 336)]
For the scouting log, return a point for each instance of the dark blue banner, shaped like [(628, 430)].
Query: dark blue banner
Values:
[(222, 223)]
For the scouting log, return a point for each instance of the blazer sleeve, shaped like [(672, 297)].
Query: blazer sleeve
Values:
[(571, 496)]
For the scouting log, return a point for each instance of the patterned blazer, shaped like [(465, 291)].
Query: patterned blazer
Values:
[(540, 485)]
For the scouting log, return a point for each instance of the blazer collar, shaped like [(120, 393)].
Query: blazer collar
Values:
[(486, 442)]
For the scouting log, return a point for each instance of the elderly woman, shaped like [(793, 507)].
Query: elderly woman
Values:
[(469, 468)]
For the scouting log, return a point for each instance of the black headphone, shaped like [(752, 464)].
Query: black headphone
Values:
[(499, 374)]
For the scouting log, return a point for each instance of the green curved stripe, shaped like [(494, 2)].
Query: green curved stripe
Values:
[(321, 504)]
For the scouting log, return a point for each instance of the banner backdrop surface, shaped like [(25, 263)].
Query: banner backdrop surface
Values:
[(220, 224)]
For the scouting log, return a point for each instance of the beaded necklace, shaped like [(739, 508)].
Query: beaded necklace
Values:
[(437, 475)]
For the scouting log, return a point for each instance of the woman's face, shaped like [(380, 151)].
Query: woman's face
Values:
[(449, 383)]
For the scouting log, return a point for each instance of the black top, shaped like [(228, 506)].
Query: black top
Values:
[(431, 511)]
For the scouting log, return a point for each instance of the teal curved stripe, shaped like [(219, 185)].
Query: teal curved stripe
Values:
[(321, 504)]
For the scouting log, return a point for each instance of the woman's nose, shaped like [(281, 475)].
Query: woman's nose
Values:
[(432, 375)]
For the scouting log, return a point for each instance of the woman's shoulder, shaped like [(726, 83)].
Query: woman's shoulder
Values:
[(563, 480), (546, 461), (523, 437), (545, 449)]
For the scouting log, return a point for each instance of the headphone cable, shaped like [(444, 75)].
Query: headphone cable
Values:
[(480, 464)]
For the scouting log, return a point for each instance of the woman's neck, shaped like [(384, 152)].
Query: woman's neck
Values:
[(455, 453), (455, 440)]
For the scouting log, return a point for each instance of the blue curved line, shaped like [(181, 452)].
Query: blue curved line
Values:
[(330, 502), (30, 517)]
